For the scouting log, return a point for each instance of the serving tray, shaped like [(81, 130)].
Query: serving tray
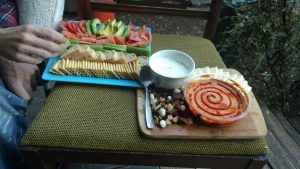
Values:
[(47, 75), (251, 126)]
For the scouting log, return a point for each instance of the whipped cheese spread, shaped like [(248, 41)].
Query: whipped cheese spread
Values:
[(170, 67)]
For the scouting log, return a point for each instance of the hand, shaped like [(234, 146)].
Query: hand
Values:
[(29, 43), (20, 78)]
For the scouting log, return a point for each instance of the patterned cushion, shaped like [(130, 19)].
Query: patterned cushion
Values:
[(104, 117)]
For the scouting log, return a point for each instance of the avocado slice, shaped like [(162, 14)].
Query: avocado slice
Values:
[(102, 28), (121, 30), (119, 24), (94, 24), (110, 29), (114, 23), (87, 26), (127, 32)]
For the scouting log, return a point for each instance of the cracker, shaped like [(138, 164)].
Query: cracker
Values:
[(130, 71), (62, 68), (120, 72), (111, 66)]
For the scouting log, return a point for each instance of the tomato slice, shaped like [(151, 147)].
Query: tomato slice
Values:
[(69, 27), (62, 25), (81, 26)]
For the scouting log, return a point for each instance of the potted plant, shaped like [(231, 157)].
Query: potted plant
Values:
[(264, 44)]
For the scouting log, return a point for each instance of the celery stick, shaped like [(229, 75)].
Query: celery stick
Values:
[(97, 47), (73, 41), (138, 51), (115, 47)]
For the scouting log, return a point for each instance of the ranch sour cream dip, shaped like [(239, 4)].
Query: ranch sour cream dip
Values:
[(169, 67)]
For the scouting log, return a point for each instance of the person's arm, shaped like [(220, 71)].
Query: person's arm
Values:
[(21, 48), (29, 43), (20, 78)]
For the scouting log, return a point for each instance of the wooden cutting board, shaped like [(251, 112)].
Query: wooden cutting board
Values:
[(251, 126)]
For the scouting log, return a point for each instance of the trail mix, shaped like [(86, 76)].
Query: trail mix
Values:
[(169, 107)]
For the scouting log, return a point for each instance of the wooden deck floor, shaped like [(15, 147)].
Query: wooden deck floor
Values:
[(283, 141)]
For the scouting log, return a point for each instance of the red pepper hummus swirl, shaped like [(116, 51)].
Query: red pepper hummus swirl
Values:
[(216, 101)]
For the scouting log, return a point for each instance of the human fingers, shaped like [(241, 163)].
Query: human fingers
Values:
[(22, 91), (24, 58), (35, 52), (45, 33), (31, 39)]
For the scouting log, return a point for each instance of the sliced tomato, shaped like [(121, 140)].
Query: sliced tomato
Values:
[(73, 24), (78, 30), (81, 26), (134, 44), (91, 36), (62, 25), (69, 27), (132, 27)]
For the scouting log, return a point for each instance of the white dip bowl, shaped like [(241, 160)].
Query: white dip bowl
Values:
[(170, 68)]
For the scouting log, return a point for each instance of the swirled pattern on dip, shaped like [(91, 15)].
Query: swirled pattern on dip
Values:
[(216, 101)]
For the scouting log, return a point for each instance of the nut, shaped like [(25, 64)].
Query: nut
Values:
[(170, 117), (170, 107), (162, 99), (153, 102), (176, 90), (157, 107), (156, 119), (151, 96), (176, 102), (175, 119), (178, 107), (182, 107), (163, 123), (162, 112), (168, 121)]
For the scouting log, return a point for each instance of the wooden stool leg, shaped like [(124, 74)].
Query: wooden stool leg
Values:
[(48, 164), (32, 159)]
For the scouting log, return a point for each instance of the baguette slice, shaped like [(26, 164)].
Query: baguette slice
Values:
[(73, 53), (89, 53), (141, 61), (111, 56), (130, 57), (100, 56), (122, 58)]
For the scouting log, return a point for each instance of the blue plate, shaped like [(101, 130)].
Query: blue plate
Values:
[(47, 75)]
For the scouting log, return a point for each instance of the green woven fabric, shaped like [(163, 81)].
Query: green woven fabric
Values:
[(104, 117)]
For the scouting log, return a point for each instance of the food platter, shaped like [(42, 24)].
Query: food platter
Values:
[(249, 127), (49, 75)]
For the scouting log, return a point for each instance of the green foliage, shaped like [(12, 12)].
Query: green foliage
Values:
[(264, 45)]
